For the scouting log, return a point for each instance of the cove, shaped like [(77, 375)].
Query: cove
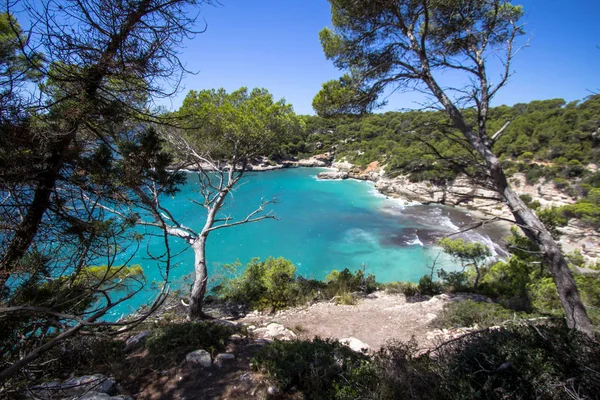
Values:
[(321, 225)]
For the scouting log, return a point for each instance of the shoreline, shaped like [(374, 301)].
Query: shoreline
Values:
[(461, 196)]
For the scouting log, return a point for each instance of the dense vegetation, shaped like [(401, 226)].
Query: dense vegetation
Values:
[(411, 142), (273, 284), (87, 148)]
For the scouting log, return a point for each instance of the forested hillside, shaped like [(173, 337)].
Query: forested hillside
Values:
[(415, 142)]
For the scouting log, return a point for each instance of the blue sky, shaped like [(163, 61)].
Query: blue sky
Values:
[(274, 44)]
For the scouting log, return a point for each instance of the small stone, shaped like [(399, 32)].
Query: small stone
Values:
[(272, 390), (201, 357)]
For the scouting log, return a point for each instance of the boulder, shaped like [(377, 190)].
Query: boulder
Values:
[(342, 165), (201, 357), (355, 345), (275, 331), (311, 162)]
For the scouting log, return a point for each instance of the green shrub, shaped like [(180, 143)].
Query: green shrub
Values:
[(561, 183), (470, 313), (526, 156), (428, 287), (269, 284), (341, 282), (526, 198), (507, 281), (454, 281), (409, 289), (311, 367)]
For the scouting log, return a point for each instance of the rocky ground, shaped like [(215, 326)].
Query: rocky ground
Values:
[(374, 320), (365, 327)]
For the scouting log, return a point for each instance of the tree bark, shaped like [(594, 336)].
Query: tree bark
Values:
[(200, 279), (568, 293)]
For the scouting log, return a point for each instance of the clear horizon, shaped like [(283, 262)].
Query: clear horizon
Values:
[(275, 45)]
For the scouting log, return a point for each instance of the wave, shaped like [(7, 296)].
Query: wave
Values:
[(416, 241)]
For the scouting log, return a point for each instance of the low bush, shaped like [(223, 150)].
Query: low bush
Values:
[(272, 284), (454, 281), (470, 313), (545, 361), (428, 287), (341, 282), (314, 368), (521, 362), (409, 289)]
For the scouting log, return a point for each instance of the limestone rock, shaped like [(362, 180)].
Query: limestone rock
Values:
[(275, 331), (311, 162), (333, 175), (201, 357), (355, 345), (342, 166)]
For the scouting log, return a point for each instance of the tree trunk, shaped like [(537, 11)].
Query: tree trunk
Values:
[(568, 293), (531, 225), (477, 276), (536, 231), (28, 228), (200, 279)]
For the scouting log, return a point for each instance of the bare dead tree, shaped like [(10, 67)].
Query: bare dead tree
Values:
[(215, 181)]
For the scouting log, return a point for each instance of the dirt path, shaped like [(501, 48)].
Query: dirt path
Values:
[(375, 320)]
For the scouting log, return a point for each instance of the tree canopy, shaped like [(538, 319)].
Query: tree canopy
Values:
[(236, 126)]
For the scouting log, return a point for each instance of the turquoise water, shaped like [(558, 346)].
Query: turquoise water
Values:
[(321, 225)]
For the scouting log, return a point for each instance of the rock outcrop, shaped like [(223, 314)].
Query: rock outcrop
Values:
[(333, 175)]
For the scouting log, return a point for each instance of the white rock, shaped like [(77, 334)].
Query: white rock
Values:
[(355, 344), (332, 175), (201, 357), (275, 331)]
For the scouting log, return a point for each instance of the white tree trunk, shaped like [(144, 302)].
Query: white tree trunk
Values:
[(200, 279)]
